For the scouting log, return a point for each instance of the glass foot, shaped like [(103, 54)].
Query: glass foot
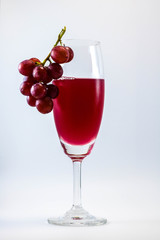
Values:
[(77, 217)]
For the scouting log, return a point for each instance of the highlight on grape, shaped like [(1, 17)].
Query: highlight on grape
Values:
[(36, 85)]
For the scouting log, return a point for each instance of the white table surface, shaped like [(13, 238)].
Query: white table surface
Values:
[(39, 229)]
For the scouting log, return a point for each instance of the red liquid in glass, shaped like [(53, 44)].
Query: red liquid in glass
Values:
[(78, 109)]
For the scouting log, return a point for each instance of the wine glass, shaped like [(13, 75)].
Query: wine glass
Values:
[(77, 113)]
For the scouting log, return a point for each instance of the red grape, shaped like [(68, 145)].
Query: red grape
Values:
[(59, 54), (26, 67), (40, 73), (30, 79), (35, 60), (44, 105), (55, 70), (31, 101), (25, 88), (52, 91), (38, 90), (48, 77), (71, 54)]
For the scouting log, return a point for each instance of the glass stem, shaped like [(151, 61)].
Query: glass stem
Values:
[(76, 184)]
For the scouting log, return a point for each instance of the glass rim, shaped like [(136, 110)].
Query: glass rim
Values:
[(86, 41)]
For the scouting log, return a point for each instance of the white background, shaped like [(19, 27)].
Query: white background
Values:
[(121, 177)]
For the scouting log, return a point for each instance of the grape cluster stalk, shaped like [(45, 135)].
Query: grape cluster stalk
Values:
[(37, 84)]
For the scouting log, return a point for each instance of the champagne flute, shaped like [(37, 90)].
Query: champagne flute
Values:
[(77, 113)]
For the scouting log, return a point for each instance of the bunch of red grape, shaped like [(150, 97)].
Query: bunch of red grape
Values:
[(38, 76)]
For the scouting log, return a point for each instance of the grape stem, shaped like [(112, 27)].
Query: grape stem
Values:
[(59, 40)]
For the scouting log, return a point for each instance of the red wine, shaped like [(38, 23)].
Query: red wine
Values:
[(78, 109)]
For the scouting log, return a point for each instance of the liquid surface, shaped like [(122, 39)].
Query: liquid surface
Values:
[(78, 109)]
